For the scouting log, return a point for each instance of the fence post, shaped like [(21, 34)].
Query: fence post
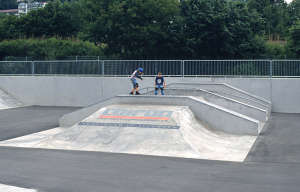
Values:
[(271, 81), (50, 68), (182, 68), (271, 68), (32, 67), (103, 68), (98, 62)]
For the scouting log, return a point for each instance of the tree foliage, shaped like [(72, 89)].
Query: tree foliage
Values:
[(8, 4), (133, 28), (10, 27), (217, 29), (56, 19), (294, 12), (294, 40), (51, 48), (276, 17), (165, 29)]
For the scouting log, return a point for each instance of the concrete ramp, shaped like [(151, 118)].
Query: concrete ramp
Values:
[(215, 116), (228, 91), (199, 123), (7, 101), (251, 109), (143, 129)]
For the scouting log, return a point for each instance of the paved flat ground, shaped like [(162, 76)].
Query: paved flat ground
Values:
[(26, 120), (271, 167), (61, 171), (280, 142)]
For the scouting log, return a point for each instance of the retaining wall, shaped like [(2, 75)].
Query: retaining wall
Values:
[(83, 91)]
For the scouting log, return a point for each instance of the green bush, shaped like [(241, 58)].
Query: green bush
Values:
[(48, 49), (276, 50)]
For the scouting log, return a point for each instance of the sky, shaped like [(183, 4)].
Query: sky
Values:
[(288, 1)]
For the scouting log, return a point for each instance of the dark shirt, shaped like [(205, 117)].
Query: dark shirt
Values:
[(159, 81)]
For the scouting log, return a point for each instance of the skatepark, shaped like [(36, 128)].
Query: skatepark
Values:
[(78, 133)]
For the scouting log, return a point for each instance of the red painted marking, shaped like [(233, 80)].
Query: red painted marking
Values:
[(131, 117)]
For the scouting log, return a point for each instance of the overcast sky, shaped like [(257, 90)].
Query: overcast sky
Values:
[(288, 1)]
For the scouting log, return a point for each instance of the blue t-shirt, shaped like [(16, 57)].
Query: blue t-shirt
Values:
[(159, 80)]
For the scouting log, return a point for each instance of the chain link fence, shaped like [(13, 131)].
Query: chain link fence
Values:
[(184, 68)]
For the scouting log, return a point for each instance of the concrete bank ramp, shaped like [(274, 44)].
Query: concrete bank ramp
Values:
[(143, 129), (7, 101)]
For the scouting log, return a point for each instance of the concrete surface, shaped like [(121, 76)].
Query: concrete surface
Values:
[(26, 120), (203, 110), (7, 101), (7, 188), (83, 91), (272, 167), (190, 140), (285, 95), (75, 171), (279, 143)]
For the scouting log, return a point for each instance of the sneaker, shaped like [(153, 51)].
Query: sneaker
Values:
[(137, 93), (131, 93)]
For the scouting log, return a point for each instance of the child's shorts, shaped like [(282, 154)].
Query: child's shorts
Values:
[(134, 83), (159, 87)]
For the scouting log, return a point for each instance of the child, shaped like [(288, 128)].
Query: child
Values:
[(136, 74), (160, 83)]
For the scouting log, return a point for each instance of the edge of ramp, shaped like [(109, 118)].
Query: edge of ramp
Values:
[(71, 119)]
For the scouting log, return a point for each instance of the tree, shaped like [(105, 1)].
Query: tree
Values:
[(133, 28), (50, 48), (10, 28), (275, 14), (246, 28), (294, 12), (56, 19), (216, 29), (294, 40), (8, 4), (205, 29)]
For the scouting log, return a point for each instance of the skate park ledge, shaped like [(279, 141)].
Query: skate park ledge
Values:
[(215, 117), (240, 105)]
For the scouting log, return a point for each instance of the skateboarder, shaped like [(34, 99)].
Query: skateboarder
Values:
[(160, 84), (136, 74)]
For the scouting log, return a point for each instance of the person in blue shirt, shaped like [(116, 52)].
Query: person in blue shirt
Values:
[(160, 83), (136, 74)]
